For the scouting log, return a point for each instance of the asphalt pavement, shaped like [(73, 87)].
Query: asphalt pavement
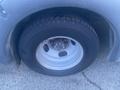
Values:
[(101, 75)]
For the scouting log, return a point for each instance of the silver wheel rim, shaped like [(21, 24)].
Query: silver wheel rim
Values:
[(59, 53)]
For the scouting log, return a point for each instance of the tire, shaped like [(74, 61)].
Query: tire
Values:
[(40, 29)]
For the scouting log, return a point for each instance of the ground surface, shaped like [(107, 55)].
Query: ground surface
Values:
[(101, 75)]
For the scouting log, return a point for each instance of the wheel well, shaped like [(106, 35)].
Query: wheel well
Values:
[(98, 22)]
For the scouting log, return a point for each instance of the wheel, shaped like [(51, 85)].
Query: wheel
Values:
[(58, 45)]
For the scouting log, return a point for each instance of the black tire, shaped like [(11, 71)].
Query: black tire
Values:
[(42, 28)]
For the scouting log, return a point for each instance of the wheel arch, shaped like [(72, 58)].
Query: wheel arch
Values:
[(97, 21)]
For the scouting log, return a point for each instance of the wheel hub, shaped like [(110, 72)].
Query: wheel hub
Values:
[(59, 43), (59, 53)]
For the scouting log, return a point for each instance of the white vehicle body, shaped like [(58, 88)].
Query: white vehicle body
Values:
[(12, 11)]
